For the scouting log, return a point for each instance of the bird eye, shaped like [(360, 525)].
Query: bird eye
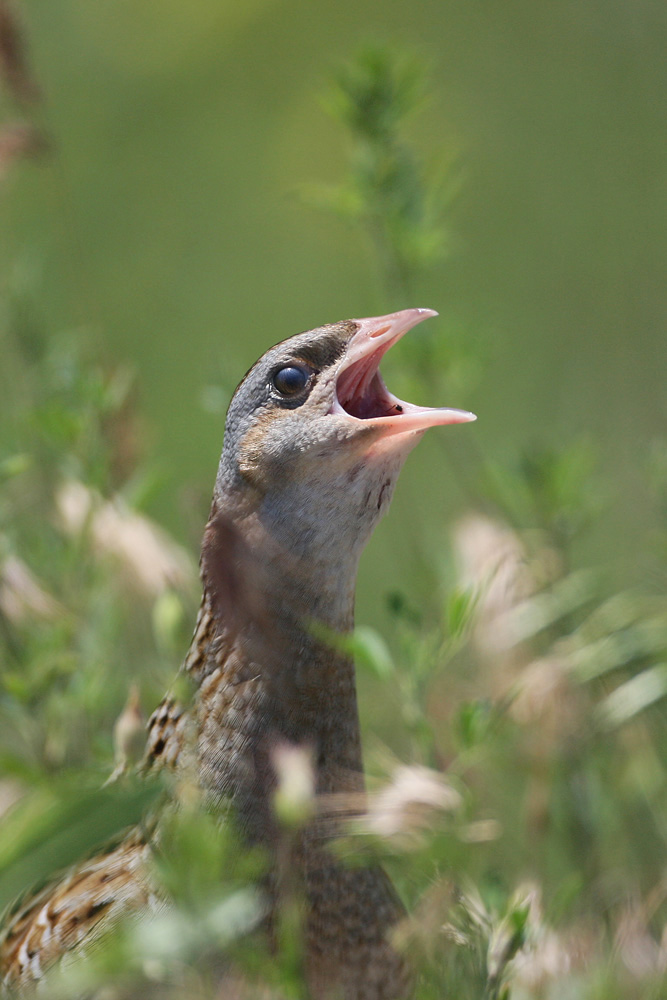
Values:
[(288, 381)]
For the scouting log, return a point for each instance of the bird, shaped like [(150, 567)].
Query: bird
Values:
[(313, 446)]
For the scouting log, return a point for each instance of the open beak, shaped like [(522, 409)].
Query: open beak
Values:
[(360, 390)]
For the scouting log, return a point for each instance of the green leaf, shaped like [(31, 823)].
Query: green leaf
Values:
[(459, 610), (54, 827), (634, 696), (371, 652)]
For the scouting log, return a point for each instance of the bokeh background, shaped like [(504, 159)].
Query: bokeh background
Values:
[(168, 219), (168, 231)]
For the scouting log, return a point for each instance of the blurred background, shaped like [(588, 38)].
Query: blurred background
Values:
[(169, 172), (167, 220)]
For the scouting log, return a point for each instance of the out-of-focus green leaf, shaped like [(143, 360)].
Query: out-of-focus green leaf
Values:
[(620, 649), (568, 595), (56, 826), (634, 696), (371, 652), (473, 721), (459, 611)]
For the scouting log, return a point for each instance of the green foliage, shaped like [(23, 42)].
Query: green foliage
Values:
[(387, 192), (72, 628), (60, 823), (555, 489)]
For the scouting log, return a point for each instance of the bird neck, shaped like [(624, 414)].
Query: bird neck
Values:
[(271, 672), (268, 660)]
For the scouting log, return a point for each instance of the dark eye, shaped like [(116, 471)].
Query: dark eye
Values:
[(288, 381)]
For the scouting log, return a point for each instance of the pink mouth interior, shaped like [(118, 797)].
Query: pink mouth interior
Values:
[(360, 390), (362, 393)]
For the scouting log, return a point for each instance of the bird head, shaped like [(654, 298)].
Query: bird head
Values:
[(314, 440)]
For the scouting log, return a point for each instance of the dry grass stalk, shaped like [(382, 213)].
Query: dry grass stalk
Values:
[(22, 597), (154, 561)]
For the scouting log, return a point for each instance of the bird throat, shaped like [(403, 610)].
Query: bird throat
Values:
[(268, 660)]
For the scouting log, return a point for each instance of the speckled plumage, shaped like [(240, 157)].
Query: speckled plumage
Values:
[(303, 480), (72, 912)]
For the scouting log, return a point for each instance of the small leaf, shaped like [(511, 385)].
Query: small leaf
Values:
[(545, 609), (47, 832), (459, 610), (473, 722), (635, 695), (371, 651)]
